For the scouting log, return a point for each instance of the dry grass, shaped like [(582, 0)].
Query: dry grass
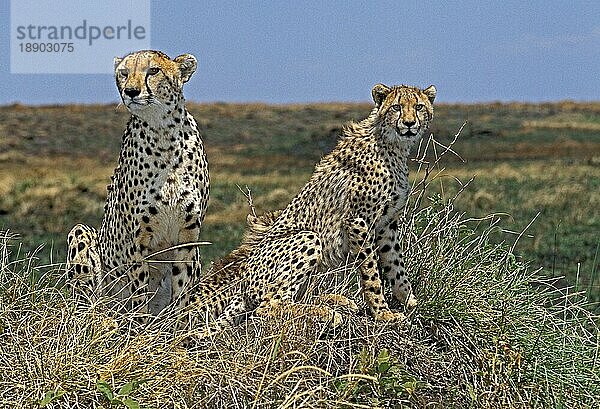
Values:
[(562, 125), (488, 333)]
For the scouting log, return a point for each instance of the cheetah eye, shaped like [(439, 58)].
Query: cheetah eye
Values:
[(153, 70), (395, 107), (124, 72), (419, 107)]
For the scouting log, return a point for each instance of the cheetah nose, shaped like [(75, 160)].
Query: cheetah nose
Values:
[(132, 92), (409, 124)]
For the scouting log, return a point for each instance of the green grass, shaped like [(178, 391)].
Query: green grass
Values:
[(564, 237)]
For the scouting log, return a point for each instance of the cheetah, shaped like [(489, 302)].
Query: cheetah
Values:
[(349, 209), (158, 194)]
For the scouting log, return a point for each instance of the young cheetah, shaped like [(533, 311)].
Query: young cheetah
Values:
[(350, 208), (158, 195)]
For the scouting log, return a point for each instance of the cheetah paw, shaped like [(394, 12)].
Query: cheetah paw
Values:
[(340, 301), (389, 316)]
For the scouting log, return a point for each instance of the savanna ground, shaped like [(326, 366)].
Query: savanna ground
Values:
[(55, 163), (489, 332)]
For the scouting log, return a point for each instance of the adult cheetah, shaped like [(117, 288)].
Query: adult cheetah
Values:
[(350, 208), (158, 195)]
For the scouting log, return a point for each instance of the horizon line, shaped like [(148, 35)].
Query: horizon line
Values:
[(116, 103)]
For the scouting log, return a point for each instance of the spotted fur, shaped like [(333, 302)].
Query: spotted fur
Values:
[(84, 260), (158, 193), (350, 208)]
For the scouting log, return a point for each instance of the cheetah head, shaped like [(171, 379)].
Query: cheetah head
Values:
[(150, 83), (404, 112)]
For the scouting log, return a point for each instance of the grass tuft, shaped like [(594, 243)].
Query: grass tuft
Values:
[(489, 332)]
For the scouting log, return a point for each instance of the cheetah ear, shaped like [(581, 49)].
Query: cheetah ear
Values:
[(430, 91), (117, 61), (379, 93), (187, 65)]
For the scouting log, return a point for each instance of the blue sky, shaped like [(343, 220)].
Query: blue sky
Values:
[(308, 51)]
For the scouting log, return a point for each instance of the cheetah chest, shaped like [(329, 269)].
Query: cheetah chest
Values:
[(394, 197), (169, 208)]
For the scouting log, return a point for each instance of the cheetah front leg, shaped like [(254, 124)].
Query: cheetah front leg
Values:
[(155, 285), (183, 275), (142, 281), (362, 245), (186, 268), (392, 264)]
